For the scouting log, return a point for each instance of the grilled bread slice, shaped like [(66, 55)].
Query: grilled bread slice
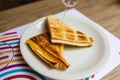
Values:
[(44, 49), (64, 34), (43, 40)]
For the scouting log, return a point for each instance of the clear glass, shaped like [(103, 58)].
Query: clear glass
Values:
[(6, 54), (68, 4)]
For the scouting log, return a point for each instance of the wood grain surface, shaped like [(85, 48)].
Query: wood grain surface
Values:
[(104, 12), (113, 75)]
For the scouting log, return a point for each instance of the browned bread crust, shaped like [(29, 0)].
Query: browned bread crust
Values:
[(49, 52), (64, 34)]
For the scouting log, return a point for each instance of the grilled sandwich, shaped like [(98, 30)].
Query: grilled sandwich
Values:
[(49, 52), (64, 34)]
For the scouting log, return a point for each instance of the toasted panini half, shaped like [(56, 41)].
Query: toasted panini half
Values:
[(54, 59), (43, 40), (62, 33)]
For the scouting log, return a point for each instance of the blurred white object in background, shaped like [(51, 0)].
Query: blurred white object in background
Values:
[(69, 3)]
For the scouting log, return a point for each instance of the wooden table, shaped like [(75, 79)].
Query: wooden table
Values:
[(104, 12)]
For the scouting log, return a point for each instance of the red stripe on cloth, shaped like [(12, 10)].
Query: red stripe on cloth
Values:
[(17, 46), (2, 48), (11, 39), (93, 76), (17, 55), (5, 47), (10, 33), (14, 65), (3, 57), (20, 76)]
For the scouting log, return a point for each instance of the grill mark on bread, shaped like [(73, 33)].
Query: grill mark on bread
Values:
[(53, 49), (61, 31)]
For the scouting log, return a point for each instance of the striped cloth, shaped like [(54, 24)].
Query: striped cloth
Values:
[(17, 69)]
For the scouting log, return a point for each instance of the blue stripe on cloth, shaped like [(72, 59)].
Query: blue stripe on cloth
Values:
[(2, 44), (23, 70), (10, 43), (86, 78)]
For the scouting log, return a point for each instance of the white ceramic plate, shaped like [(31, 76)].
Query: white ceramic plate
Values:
[(84, 61)]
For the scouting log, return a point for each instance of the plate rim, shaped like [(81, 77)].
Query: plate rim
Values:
[(75, 77)]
